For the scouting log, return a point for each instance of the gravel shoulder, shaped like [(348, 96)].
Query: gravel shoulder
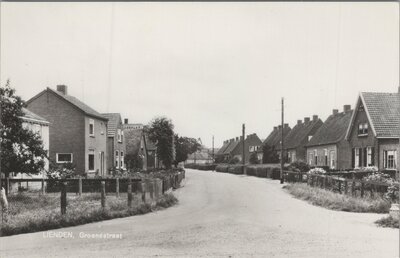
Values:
[(222, 215)]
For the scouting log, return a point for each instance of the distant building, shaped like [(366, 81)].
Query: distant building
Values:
[(328, 147), (116, 146), (78, 133), (274, 139), (374, 130), (234, 148), (203, 156), (296, 140)]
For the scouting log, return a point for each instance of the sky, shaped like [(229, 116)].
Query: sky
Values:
[(210, 67)]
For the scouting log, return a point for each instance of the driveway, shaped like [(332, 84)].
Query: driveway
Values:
[(221, 215)]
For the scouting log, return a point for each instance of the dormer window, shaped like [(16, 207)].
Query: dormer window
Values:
[(91, 127), (362, 129)]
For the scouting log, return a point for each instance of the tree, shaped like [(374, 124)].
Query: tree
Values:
[(21, 149), (253, 159), (269, 154), (161, 132), (134, 162), (184, 147)]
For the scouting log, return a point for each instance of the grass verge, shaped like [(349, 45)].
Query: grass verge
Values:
[(31, 214), (336, 201), (388, 222)]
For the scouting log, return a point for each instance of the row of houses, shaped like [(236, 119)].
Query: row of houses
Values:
[(73, 132), (365, 136)]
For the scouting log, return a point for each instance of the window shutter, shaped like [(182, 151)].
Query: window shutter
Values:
[(359, 157), (353, 153), (372, 156)]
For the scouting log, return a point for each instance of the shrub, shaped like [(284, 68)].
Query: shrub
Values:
[(254, 158), (299, 166), (234, 160), (317, 171), (378, 177), (388, 222), (392, 193)]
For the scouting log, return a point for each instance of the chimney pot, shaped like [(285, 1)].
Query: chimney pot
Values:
[(346, 108), (280, 126), (275, 128), (306, 119), (299, 122), (335, 111), (126, 121), (62, 89), (237, 138), (286, 125), (315, 117)]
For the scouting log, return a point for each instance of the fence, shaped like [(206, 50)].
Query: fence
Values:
[(355, 187)]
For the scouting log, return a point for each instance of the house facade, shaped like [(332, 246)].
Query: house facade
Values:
[(374, 130), (116, 146), (328, 147), (77, 133), (274, 138), (296, 140), (252, 144)]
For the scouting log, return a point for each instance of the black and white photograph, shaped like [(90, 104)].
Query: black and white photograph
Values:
[(200, 129)]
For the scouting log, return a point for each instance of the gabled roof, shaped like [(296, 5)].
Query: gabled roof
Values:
[(73, 101), (298, 135), (231, 146), (222, 149), (29, 115), (274, 138), (383, 112), (333, 130), (200, 155), (112, 124)]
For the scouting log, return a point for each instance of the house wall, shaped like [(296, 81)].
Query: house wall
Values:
[(96, 143), (110, 154), (321, 160), (250, 141), (66, 129), (368, 140)]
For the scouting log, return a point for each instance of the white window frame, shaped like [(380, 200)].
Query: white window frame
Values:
[(326, 161), (91, 123), (310, 158), (357, 157), (101, 128), (72, 158), (393, 154), (121, 160), (315, 157), (91, 152), (369, 156), (119, 135), (332, 159), (116, 159)]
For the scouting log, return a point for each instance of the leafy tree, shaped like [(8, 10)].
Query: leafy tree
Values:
[(161, 132), (270, 155), (134, 162), (184, 147), (21, 149), (253, 159)]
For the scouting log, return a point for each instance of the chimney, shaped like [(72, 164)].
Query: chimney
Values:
[(286, 125), (237, 138), (275, 128), (346, 108), (398, 90), (126, 121), (299, 122), (314, 117), (335, 111), (62, 89), (280, 126), (306, 119)]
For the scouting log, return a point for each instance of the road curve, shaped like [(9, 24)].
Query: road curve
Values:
[(222, 215)]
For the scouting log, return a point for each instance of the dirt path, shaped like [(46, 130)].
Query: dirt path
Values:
[(222, 215)]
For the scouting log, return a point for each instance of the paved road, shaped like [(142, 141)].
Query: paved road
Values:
[(222, 215)]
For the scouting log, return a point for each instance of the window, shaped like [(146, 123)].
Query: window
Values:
[(370, 158), (91, 161), (119, 135), (101, 128), (357, 158), (332, 159), (122, 136), (64, 157), (91, 127), (362, 129), (389, 159), (38, 130), (116, 159), (309, 137), (326, 157), (315, 157), (310, 158), (122, 159), (293, 156)]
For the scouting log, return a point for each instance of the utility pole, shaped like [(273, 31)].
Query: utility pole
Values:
[(213, 148), (243, 145), (282, 151)]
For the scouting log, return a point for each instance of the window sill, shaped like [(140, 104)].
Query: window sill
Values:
[(91, 135), (362, 135)]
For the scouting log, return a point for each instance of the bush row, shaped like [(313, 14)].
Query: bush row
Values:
[(264, 170), (201, 166)]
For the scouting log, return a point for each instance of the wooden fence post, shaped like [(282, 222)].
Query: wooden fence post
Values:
[(353, 188), (80, 186), (7, 186), (372, 190), (340, 186), (143, 184), (129, 193), (362, 189), (43, 187), (345, 187), (63, 198), (117, 187), (103, 194), (324, 182)]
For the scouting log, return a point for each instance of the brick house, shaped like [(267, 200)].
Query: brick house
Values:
[(139, 146), (374, 130), (328, 146), (274, 138), (226, 151), (252, 144), (296, 140), (78, 133), (116, 147)]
